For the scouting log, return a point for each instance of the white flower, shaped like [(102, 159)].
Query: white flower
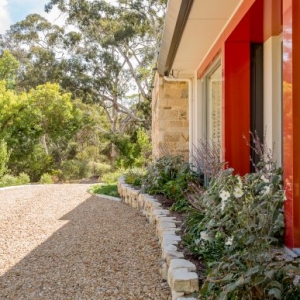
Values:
[(207, 237), (238, 192), (264, 179), (266, 190), (229, 241), (224, 195)]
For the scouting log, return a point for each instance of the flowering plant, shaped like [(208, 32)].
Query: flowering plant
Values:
[(235, 225)]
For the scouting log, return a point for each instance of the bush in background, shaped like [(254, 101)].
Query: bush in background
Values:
[(113, 176), (46, 179), (10, 180), (4, 157)]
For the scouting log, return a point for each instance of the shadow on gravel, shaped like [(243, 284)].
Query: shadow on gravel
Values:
[(90, 258)]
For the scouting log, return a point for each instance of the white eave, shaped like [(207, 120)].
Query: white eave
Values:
[(187, 39)]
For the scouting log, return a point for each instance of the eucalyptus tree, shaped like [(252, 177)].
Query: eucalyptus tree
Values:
[(107, 57), (104, 54), (116, 54)]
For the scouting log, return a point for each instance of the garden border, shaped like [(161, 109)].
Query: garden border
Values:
[(179, 272)]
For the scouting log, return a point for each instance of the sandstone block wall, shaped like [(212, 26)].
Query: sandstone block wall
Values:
[(170, 118)]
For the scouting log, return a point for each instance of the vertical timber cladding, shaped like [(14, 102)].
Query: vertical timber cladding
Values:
[(291, 120), (170, 119)]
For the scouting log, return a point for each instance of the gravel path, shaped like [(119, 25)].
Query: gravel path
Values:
[(59, 242)]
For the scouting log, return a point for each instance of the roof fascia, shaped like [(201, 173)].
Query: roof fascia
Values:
[(176, 18)]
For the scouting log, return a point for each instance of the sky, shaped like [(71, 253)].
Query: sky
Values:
[(12, 11)]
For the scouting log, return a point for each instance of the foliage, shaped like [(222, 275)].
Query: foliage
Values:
[(98, 168), (234, 226), (134, 150), (46, 179), (111, 53), (112, 177), (74, 169), (4, 157), (37, 127), (10, 180), (105, 189), (169, 176), (8, 67), (109, 61), (135, 176)]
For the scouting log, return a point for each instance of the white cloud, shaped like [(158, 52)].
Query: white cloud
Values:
[(4, 16)]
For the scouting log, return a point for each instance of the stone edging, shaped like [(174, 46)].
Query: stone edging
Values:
[(179, 272)]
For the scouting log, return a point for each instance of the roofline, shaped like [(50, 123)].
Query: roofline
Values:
[(165, 63)]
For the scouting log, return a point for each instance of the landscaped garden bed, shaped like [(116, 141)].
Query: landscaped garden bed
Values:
[(233, 225)]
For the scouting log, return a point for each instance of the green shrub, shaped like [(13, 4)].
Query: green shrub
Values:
[(23, 178), (162, 171), (135, 176), (113, 176), (170, 176), (75, 169), (46, 179), (10, 180), (235, 225), (98, 168), (57, 175)]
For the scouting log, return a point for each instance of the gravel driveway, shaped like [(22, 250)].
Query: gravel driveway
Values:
[(59, 242)]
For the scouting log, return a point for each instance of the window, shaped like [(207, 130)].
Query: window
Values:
[(213, 105)]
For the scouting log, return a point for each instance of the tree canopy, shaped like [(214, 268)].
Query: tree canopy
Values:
[(84, 85)]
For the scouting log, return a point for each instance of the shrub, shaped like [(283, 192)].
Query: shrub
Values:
[(46, 179), (23, 178), (169, 176), (113, 176), (10, 180), (235, 224), (163, 170), (135, 176), (75, 169), (98, 168)]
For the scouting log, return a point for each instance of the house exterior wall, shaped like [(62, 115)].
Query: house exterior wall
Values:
[(276, 25), (170, 118)]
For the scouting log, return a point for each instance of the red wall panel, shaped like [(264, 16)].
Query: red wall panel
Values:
[(237, 105), (291, 120)]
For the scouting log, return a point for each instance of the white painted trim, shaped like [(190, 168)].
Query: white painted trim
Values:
[(273, 96)]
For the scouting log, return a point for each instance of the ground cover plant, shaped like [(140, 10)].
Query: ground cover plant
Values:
[(234, 224), (105, 189)]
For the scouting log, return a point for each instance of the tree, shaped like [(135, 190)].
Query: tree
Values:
[(33, 124), (8, 67), (108, 58)]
